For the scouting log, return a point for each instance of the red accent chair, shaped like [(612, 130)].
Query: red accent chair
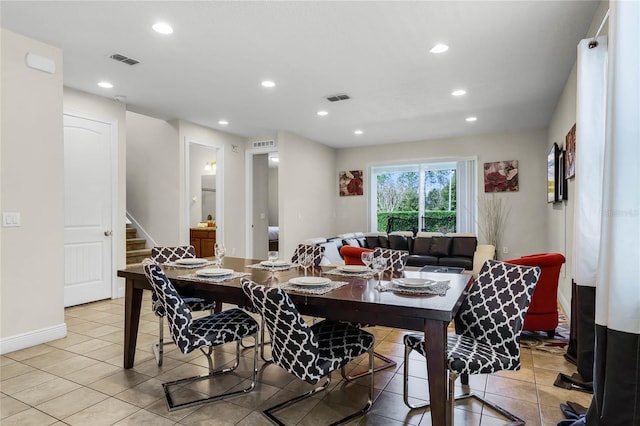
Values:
[(542, 314), (352, 255)]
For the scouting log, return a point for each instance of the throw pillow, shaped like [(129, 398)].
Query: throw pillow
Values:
[(463, 246)]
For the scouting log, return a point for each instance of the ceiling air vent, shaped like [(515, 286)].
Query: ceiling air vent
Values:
[(264, 144), (338, 97), (124, 59)]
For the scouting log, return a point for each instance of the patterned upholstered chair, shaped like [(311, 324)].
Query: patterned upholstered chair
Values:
[(164, 255), (489, 322), (396, 258), (203, 333), (308, 352), (315, 251)]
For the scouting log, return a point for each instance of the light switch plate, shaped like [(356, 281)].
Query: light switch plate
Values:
[(10, 219)]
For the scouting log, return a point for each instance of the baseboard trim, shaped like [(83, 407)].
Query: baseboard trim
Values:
[(32, 338)]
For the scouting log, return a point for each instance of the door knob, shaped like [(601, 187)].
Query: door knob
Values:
[(107, 233)]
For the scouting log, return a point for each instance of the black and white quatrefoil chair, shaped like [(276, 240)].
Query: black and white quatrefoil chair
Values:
[(308, 352), (315, 251), (396, 259), (489, 322), (203, 333), (164, 255)]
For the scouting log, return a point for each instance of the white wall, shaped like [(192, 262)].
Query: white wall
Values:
[(32, 183), (232, 233), (153, 177), (560, 215), (260, 206), (308, 187), (528, 206), (112, 111)]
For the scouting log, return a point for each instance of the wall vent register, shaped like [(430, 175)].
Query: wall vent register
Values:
[(338, 97)]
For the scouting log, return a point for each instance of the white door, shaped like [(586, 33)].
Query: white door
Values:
[(87, 210)]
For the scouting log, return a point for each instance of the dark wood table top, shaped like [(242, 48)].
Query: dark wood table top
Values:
[(357, 301)]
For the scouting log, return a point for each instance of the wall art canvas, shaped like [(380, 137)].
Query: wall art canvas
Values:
[(552, 173), (570, 157), (350, 182), (501, 176)]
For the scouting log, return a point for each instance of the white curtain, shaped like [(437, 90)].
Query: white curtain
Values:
[(589, 157), (466, 197), (618, 281)]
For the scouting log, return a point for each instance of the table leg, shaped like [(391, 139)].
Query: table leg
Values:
[(132, 304), (435, 333)]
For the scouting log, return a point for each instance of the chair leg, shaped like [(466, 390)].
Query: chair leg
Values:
[(174, 406), (451, 398), (388, 363), (269, 411), (157, 347)]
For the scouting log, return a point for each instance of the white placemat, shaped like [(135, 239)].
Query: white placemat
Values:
[(199, 265), (314, 290), (366, 274), (221, 279), (439, 288)]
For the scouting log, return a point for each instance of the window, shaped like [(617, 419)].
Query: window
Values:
[(428, 196)]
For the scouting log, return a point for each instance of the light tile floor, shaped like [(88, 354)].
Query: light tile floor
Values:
[(79, 380)]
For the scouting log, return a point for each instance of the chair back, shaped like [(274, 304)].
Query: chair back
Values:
[(163, 255), (294, 346), (396, 259), (315, 251), (494, 309), (177, 312)]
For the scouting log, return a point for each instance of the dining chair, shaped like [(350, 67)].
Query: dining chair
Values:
[(489, 323), (396, 259), (162, 255), (308, 352), (316, 252), (203, 333)]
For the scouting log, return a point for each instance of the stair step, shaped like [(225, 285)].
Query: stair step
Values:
[(131, 232), (137, 256), (136, 243)]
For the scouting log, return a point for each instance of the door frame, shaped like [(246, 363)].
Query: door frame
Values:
[(186, 199), (248, 193), (113, 152)]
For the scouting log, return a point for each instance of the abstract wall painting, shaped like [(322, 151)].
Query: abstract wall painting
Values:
[(501, 176), (350, 183)]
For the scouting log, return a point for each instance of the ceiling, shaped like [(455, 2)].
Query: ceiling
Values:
[(512, 57)]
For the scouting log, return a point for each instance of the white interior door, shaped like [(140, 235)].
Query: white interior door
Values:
[(87, 210)]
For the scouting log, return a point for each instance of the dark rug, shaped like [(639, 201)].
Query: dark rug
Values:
[(538, 340)]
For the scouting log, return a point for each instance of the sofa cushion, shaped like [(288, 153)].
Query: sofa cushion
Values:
[(440, 246), (421, 260), (421, 246), (463, 246), (372, 241), (362, 241), (399, 242), (384, 241), (337, 241), (351, 242), (331, 254), (458, 262)]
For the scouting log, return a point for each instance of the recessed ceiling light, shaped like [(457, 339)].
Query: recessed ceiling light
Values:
[(470, 119), (459, 92), (223, 122), (268, 83), (105, 85), (358, 132), (322, 113), (162, 28), (439, 48)]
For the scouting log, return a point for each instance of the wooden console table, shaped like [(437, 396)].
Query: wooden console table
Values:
[(204, 241)]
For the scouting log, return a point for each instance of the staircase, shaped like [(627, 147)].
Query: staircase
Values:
[(136, 247)]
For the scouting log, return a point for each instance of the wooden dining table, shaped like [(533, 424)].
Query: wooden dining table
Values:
[(358, 301)]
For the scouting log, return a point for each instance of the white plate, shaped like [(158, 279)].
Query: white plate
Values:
[(214, 272), (191, 261), (353, 268), (414, 282), (310, 281), (275, 263)]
